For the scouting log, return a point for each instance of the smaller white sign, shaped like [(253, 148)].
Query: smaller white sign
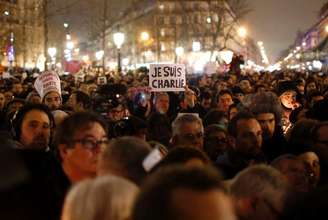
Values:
[(167, 77), (101, 80)]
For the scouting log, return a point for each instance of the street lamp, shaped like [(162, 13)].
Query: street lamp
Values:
[(52, 51), (70, 45), (144, 36), (99, 54), (242, 32), (179, 52), (119, 38), (196, 46), (85, 58)]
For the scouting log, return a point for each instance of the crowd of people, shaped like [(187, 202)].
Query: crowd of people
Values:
[(93, 146)]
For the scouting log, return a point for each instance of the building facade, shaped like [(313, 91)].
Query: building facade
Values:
[(178, 31), (21, 35)]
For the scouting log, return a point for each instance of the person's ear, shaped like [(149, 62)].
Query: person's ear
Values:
[(174, 140), (63, 150)]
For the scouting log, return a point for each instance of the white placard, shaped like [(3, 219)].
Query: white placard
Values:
[(153, 158), (101, 80), (47, 82), (167, 77)]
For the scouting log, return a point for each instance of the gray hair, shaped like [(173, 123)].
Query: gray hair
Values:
[(263, 182), (124, 157), (276, 163), (107, 197), (184, 119)]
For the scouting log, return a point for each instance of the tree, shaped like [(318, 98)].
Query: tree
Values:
[(230, 13), (324, 10)]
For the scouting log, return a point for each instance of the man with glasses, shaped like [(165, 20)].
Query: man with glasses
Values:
[(188, 131), (79, 140)]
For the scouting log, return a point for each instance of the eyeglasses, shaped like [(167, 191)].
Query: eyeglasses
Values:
[(92, 144), (193, 136)]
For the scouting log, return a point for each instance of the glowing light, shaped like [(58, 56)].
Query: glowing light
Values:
[(70, 45), (226, 56), (99, 54), (242, 32), (118, 39), (196, 46), (52, 51), (317, 64), (85, 58), (144, 36), (179, 51), (125, 61)]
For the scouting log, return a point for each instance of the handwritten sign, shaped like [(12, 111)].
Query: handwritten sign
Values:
[(47, 82), (167, 77)]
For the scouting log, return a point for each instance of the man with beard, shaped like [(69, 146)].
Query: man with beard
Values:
[(245, 140), (32, 127), (267, 110)]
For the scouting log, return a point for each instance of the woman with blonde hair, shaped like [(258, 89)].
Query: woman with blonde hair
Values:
[(103, 198)]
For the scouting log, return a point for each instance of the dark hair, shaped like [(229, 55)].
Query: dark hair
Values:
[(213, 117), (316, 128), (20, 115), (181, 155), (73, 124), (232, 126), (300, 140), (223, 92), (154, 201), (127, 154), (83, 98)]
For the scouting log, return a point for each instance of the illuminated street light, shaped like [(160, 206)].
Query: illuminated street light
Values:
[(99, 54), (242, 32), (6, 13), (304, 44), (70, 45), (119, 38), (179, 51), (66, 25), (260, 43), (209, 20), (226, 56), (298, 48), (68, 37), (196, 46), (52, 51), (144, 36), (85, 58)]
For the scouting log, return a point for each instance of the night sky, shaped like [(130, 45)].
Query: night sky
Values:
[(275, 22)]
